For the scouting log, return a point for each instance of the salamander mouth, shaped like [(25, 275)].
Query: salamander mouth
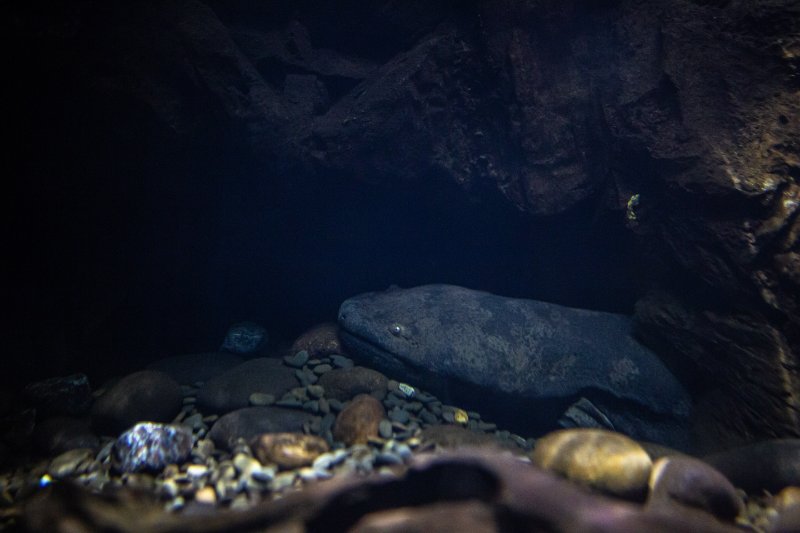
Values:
[(371, 352)]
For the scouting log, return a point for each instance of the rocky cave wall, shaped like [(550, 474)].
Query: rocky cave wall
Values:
[(682, 116)]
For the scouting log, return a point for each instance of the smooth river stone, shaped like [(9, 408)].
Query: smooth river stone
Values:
[(252, 421), (687, 481), (359, 421), (145, 396), (232, 390), (606, 461)]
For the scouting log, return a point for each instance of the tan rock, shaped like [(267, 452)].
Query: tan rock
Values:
[(288, 450), (206, 496), (359, 420), (788, 497), (604, 460)]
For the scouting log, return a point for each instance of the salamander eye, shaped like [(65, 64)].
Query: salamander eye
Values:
[(396, 330)]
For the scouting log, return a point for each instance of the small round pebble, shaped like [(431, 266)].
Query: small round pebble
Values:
[(321, 369), (399, 415), (206, 496), (297, 360), (385, 429), (70, 463), (261, 399), (315, 391), (340, 361)]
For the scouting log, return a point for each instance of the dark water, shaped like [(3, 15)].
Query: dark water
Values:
[(129, 260)]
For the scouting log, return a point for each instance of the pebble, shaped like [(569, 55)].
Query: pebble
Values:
[(401, 416), (72, 462), (289, 401), (306, 377), (261, 399), (263, 474), (321, 369), (340, 361), (385, 429), (428, 417), (206, 496), (196, 471), (328, 460), (315, 391), (194, 421), (203, 449), (282, 481), (388, 458), (324, 406), (407, 390), (604, 460), (297, 360)]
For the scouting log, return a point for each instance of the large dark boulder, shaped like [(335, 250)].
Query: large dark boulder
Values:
[(144, 396), (232, 389), (252, 421)]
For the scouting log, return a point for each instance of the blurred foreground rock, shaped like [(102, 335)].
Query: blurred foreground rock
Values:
[(500, 491)]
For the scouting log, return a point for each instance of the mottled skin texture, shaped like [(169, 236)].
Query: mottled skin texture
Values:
[(537, 355)]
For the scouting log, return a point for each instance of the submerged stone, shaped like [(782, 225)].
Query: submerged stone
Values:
[(252, 421), (244, 338), (600, 459), (690, 482), (232, 389), (288, 450), (150, 446), (359, 421), (69, 395), (147, 395)]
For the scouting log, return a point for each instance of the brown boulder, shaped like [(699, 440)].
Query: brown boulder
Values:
[(677, 482), (345, 383), (359, 420), (320, 341), (148, 395)]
